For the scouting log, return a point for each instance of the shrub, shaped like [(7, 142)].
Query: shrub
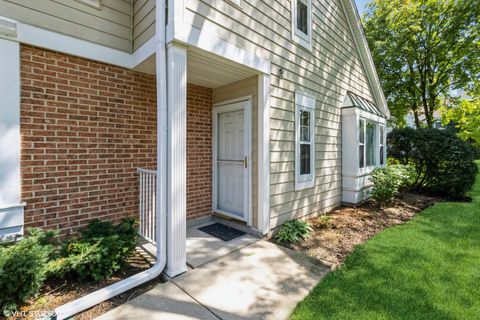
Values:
[(23, 268), (389, 181), (444, 164), (293, 231), (100, 251)]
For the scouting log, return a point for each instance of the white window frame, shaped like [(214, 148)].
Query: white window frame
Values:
[(305, 40), (366, 169), (304, 102), (361, 143), (381, 143)]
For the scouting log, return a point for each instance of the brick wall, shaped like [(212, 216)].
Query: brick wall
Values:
[(199, 151), (86, 127)]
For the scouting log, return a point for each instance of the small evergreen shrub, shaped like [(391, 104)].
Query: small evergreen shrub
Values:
[(389, 181), (293, 231), (23, 268), (100, 251), (444, 164)]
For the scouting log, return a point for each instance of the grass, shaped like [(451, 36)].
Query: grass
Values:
[(428, 268)]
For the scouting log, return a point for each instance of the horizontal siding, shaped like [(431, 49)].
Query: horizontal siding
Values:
[(143, 22), (110, 25), (327, 72)]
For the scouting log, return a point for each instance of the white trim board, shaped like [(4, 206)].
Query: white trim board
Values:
[(356, 29), (55, 41), (11, 210), (263, 167), (205, 40)]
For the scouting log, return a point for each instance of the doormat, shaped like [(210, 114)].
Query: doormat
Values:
[(222, 231)]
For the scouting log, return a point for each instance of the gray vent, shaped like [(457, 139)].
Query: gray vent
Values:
[(8, 28)]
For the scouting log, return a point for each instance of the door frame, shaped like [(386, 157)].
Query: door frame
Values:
[(226, 106)]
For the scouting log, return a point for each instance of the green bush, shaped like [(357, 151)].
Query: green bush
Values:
[(444, 164), (389, 181), (100, 251), (23, 268), (293, 231)]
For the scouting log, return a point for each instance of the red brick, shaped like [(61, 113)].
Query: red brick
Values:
[(90, 132)]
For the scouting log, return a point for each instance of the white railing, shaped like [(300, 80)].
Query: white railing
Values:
[(147, 204)]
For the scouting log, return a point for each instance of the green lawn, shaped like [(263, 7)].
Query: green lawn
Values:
[(428, 268)]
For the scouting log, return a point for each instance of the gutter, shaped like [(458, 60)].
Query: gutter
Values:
[(68, 310)]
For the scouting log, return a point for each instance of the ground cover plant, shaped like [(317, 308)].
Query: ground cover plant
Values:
[(25, 265)]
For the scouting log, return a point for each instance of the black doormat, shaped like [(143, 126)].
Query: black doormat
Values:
[(222, 231)]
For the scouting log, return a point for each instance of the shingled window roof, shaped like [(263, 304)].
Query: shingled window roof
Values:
[(362, 103)]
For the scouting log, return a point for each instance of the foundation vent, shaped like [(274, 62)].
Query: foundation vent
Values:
[(8, 28)]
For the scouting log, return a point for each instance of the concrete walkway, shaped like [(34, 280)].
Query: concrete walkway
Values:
[(259, 281)]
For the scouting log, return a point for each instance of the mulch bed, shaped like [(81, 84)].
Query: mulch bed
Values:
[(337, 233), (55, 293)]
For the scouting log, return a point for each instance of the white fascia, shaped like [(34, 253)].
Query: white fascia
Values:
[(356, 29), (59, 42), (205, 39)]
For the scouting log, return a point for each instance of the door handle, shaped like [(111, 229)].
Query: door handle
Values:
[(245, 162)]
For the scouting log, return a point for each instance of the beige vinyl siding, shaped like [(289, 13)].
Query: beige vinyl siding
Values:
[(143, 22), (327, 72), (110, 25), (243, 88)]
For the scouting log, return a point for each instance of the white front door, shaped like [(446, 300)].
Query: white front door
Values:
[(232, 160)]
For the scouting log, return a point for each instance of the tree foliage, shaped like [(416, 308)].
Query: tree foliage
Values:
[(423, 49), (444, 164), (465, 116)]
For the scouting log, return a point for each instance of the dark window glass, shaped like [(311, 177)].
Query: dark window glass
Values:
[(361, 152), (302, 16), (381, 156), (304, 159), (361, 130), (370, 133), (305, 126)]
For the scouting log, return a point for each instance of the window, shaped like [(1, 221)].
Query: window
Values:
[(302, 22), (361, 144), (367, 144), (370, 136), (382, 145), (305, 141)]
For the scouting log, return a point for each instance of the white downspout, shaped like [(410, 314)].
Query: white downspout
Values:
[(94, 298)]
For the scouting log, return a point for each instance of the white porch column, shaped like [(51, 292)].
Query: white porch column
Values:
[(177, 159), (264, 153), (11, 210)]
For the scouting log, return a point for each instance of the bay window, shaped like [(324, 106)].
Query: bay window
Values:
[(363, 146), (304, 141)]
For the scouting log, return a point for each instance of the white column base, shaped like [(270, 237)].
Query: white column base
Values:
[(177, 160)]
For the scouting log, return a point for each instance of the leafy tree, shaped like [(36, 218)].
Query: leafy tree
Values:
[(423, 49), (465, 116)]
